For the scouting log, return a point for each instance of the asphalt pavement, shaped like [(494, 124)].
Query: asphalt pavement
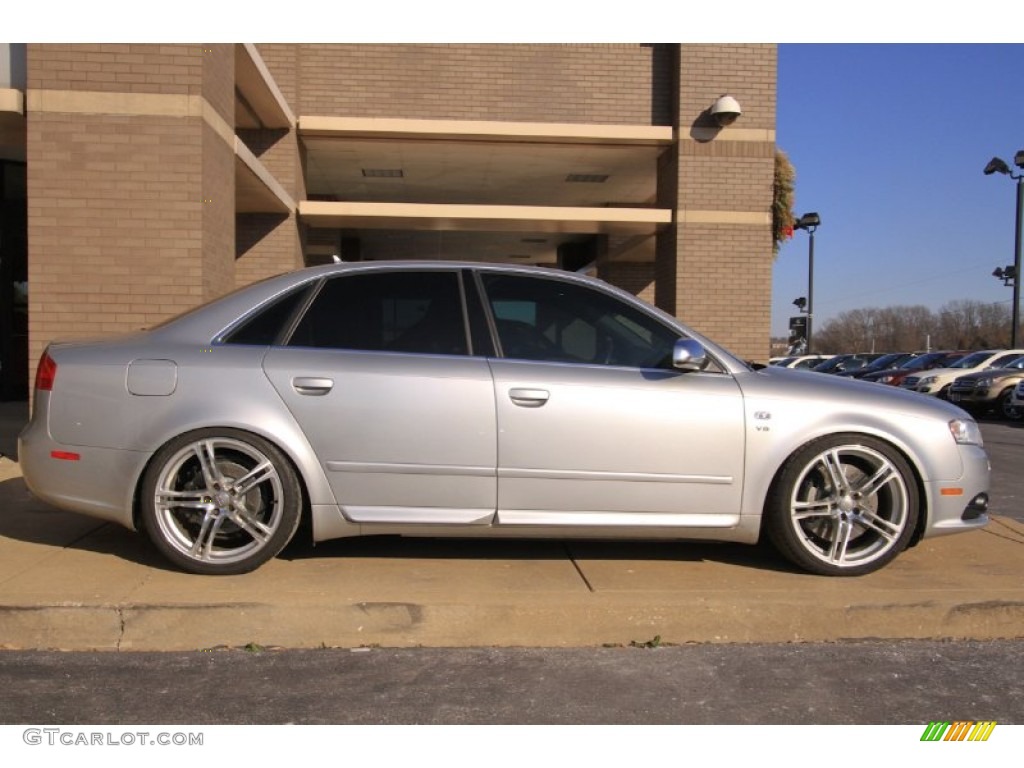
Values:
[(73, 583)]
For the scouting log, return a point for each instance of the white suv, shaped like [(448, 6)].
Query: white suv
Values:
[(938, 380)]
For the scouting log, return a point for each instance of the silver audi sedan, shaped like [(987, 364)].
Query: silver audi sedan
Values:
[(465, 399)]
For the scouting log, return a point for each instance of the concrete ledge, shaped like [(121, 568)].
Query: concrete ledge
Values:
[(587, 623)]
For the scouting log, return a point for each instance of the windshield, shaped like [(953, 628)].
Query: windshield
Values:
[(922, 361), (885, 361), (972, 360), (1005, 361)]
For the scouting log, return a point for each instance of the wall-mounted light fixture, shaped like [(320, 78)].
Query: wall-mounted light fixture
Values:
[(725, 110)]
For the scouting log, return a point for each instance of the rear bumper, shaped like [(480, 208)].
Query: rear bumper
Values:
[(99, 482)]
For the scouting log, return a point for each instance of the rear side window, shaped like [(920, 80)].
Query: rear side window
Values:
[(387, 312), (269, 324)]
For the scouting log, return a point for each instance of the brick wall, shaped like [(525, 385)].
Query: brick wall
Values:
[(623, 84), (120, 68), (724, 287), (633, 276), (218, 78), (218, 214), (131, 216)]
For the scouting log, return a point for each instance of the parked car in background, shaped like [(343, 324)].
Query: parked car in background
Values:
[(482, 400), (1017, 401), (937, 381), (800, 361), (878, 364), (923, 362), (989, 390), (849, 362)]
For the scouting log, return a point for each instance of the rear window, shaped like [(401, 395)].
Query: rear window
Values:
[(268, 325)]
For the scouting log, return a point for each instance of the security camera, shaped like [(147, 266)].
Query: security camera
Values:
[(725, 110)]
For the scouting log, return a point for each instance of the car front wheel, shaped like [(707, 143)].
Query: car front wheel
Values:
[(220, 501), (1006, 408), (843, 505)]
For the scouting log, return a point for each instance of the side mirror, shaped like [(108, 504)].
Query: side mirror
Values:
[(689, 355)]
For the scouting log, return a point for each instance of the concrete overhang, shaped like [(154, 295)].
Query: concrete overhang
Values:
[(261, 104), (483, 130), (472, 218), (12, 100), (486, 190), (256, 190), (12, 124)]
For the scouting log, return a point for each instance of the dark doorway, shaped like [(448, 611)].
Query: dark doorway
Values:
[(13, 282)]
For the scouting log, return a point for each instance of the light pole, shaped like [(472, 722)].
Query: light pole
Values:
[(809, 222), (996, 165)]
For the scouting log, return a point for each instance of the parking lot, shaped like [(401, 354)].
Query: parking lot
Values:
[(71, 582)]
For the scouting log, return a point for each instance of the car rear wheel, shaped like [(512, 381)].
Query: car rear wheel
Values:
[(220, 501), (844, 505)]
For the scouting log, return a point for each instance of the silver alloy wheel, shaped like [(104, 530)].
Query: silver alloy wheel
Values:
[(850, 506), (218, 500), (843, 505)]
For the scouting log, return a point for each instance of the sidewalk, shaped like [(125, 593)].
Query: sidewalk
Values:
[(71, 582)]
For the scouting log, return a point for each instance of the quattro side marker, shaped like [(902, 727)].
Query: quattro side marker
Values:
[(65, 455)]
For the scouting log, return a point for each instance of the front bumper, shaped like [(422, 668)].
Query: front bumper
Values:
[(952, 506)]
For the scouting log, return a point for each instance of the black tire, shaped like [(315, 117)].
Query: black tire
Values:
[(220, 501), (843, 505), (1005, 409)]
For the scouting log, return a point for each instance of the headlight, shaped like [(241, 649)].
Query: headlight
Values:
[(983, 383), (884, 379), (966, 432), (928, 380)]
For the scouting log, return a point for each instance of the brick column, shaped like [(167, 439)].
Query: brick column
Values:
[(714, 265), (272, 243), (131, 172)]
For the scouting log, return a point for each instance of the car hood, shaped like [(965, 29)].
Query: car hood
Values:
[(804, 385), (891, 372), (993, 373), (946, 372)]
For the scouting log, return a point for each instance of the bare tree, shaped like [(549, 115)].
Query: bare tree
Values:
[(963, 324)]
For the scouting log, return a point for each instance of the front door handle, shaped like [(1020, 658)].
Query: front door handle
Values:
[(529, 398), (312, 385)]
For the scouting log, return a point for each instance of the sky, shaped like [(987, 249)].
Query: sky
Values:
[(889, 142)]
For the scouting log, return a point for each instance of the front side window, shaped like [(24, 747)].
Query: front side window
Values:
[(554, 320), (418, 312)]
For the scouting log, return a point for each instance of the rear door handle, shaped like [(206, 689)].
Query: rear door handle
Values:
[(529, 398), (312, 385)]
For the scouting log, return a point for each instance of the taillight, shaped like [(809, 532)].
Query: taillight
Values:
[(46, 373)]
